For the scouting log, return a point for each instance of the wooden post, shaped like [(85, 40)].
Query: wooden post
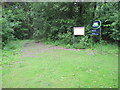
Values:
[(3, 3), (73, 40)]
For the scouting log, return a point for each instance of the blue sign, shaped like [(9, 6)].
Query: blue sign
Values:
[(95, 33), (96, 28)]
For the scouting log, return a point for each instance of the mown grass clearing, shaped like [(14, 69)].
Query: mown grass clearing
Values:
[(45, 67)]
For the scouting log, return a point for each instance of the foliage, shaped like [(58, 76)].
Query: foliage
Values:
[(55, 21), (14, 23), (108, 13), (60, 18), (7, 30)]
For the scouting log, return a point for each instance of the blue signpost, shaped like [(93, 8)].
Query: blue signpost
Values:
[(96, 29)]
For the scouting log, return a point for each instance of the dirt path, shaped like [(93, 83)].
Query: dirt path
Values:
[(31, 49)]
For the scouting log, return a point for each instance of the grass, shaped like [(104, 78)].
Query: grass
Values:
[(104, 47), (11, 52), (61, 68), (0, 69), (107, 48)]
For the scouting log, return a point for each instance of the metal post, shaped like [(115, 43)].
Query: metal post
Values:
[(92, 42), (100, 35), (100, 41)]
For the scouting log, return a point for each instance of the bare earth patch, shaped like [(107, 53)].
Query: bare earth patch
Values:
[(31, 49)]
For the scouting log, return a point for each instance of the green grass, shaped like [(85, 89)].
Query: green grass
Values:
[(104, 47), (11, 51), (62, 69), (0, 69)]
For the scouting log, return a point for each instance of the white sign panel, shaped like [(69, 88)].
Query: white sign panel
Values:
[(79, 30)]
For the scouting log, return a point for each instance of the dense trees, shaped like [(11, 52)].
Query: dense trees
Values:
[(15, 22), (55, 20), (108, 14)]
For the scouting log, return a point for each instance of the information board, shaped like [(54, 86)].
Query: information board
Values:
[(79, 30)]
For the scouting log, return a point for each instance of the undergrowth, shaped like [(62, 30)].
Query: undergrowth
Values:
[(103, 47), (11, 51)]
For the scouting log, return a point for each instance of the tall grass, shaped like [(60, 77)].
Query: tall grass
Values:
[(107, 48), (103, 47), (11, 51)]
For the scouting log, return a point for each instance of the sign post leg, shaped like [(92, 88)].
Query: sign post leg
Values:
[(73, 41), (92, 42), (100, 42)]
